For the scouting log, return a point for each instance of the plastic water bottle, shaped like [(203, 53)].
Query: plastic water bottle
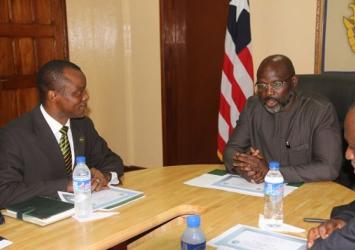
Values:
[(193, 237), (82, 188), (273, 196)]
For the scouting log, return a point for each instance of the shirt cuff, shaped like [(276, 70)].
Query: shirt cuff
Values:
[(114, 179)]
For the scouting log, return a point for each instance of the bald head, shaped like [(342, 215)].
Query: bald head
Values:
[(276, 82), (280, 64)]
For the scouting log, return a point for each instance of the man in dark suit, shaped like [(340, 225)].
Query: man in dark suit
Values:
[(31, 160), (339, 231)]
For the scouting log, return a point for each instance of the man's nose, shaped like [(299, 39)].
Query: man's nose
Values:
[(269, 90)]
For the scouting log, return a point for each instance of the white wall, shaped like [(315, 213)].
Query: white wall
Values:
[(116, 42), (284, 27)]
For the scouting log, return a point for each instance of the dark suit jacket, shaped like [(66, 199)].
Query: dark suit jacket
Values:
[(344, 238), (31, 162)]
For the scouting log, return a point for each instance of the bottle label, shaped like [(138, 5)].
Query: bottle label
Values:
[(188, 246), (81, 184), (273, 189)]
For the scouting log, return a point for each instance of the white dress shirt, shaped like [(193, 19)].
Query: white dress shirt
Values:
[(56, 127)]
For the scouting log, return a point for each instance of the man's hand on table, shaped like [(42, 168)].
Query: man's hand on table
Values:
[(251, 165), (323, 230)]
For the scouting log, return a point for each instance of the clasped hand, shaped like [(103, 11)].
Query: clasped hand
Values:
[(251, 165), (99, 180), (323, 230)]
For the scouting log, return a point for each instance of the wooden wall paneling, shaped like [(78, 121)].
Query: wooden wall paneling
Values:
[(7, 60), (27, 56), (45, 50), (42, 10), (171, 56), (25, 98), (17, 59), (32, 32), (60, 27), (8, 100), (4, 11), (192, 48), (166, 38), (22, 11)]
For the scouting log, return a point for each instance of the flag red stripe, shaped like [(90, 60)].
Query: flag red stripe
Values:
[(246, 59), (221, 144), (225, 110), (238, 39), (237, 93)]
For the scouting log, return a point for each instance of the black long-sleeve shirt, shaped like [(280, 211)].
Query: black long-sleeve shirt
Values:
[(306, 139)]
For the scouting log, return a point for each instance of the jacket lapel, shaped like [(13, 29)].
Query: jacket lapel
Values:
[(78, 139), (46, 140)]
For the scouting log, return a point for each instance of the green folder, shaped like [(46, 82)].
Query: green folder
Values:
[(40, 210)]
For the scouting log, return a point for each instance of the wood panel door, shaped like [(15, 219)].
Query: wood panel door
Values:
[(192, 49), (32, 32)]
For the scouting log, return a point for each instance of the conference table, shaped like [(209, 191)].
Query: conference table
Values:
[(157, 220)]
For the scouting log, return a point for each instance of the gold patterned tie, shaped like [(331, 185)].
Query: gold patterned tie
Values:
[(65, 148)]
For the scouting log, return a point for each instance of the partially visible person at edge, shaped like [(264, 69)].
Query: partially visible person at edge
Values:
[(31, 161), (300, 130), (339, 231)]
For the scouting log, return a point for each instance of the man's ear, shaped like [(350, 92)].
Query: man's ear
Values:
[(51, 94), (294, 81)]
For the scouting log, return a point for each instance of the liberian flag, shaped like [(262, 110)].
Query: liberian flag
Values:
[(237, 73)]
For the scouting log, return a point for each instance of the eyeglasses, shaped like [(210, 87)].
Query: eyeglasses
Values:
[(276, 85)]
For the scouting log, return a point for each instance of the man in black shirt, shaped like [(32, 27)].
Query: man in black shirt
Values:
[(300, 130)]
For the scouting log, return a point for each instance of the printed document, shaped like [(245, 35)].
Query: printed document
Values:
[(250, 238), (232, 183), (107, 199), (4, 242)]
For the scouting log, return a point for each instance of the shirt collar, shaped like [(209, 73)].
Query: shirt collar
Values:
[(53, 124)]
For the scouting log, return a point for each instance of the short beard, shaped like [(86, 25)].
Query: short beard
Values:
[(280, 105), (275, 109)]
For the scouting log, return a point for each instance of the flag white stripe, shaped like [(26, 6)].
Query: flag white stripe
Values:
[(236, 83), (226, 90), (239, 72), (223, 128)]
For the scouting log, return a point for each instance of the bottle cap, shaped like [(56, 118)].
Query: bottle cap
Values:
[(193, 220), (80, 159), (274, 165)]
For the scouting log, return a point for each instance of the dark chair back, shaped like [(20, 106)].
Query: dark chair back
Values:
[(340, 90)]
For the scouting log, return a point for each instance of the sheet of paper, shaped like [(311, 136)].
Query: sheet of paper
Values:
[(95, 216), (66, 197), (283, 228), (235, 183), (106, 199), (4, 242), (232, 183), (249, 238), (204, 180)]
